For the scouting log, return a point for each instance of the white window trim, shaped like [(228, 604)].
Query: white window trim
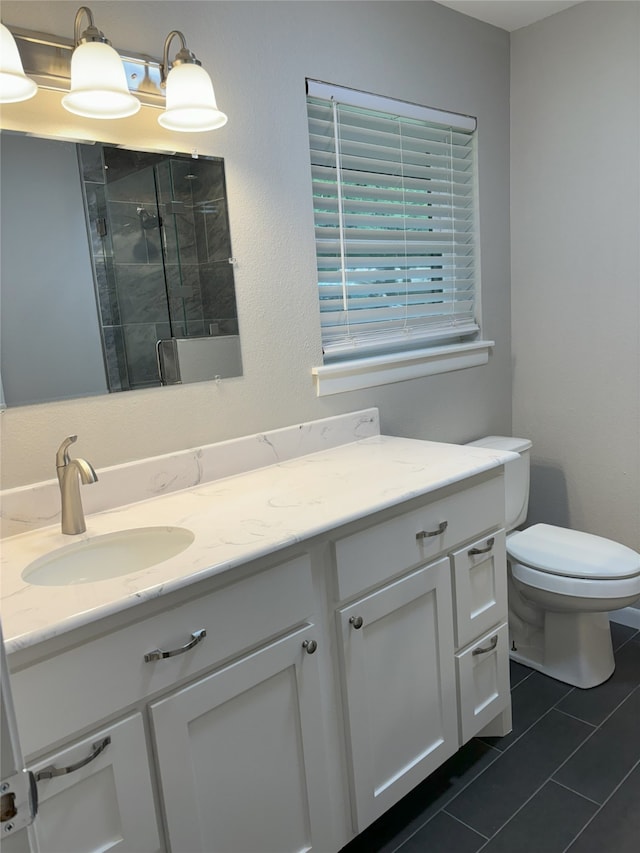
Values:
[(397, 367)]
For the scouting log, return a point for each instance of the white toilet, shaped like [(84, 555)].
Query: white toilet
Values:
[(562, 584)]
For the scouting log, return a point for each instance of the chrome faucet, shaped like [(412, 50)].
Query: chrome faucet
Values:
[(70, 473)]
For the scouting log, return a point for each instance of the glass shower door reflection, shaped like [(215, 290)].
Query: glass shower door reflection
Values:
[(161, 253)]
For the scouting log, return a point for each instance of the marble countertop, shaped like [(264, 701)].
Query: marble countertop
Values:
[(234, 520)]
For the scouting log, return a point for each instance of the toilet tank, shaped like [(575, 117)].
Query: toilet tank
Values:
[(516, 475)]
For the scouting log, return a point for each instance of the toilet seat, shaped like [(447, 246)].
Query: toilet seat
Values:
[(572, 563), (573, 554)]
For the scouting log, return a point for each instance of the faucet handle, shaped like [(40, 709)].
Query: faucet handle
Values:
[(62, 456)]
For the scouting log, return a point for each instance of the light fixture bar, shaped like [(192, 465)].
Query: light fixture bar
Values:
[(47, 60)]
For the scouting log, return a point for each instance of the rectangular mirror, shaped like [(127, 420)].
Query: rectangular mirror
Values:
[(88, 316)]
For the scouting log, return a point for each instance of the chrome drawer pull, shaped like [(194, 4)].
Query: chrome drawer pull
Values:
[(309, 646), (51, 771), (489, 648), (356, 621), (158, 654), (424, 534), (490, 543)]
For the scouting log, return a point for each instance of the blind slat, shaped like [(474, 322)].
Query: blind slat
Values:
[(394, 209)]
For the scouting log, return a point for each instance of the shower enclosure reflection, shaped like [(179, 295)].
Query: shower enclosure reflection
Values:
[(161, 254), (84, 316)]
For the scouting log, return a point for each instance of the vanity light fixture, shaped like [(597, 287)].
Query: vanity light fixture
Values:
[(14, 84), (98, 81), (191, 102)]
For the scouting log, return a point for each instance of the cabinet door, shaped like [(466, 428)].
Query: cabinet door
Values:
[(399, 679), (102, 803), (240, 755)]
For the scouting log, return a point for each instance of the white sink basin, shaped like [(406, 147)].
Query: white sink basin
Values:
[(108, 556)]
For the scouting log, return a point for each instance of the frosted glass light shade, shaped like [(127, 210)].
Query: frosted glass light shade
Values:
[(99, 84), (14, 84), (191, 102)]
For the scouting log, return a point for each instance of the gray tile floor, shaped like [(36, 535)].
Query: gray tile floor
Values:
[(566, 780)]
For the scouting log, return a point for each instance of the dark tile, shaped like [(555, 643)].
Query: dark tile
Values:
[(490, 800), (414, 810), (616, 827), (518, 672), (621, 633), (595, 705), (549, 821), (530, 699), (604, 760), (444, 834)]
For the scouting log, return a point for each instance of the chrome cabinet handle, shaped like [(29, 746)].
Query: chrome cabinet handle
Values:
[(356, 621), (158, 654), (425, 534), (309, 646), (51, 771), (490, 543), (482, 651)]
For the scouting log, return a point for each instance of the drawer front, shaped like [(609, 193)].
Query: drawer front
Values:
[(480, 586), (483, 681), (372, 556), (58, 697), (104, 796)]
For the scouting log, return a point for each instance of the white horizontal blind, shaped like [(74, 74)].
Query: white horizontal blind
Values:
[(394, 204)]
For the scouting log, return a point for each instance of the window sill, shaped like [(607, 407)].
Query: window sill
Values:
[(397, 367)]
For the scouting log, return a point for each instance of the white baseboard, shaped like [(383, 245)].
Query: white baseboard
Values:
[(629, 616)]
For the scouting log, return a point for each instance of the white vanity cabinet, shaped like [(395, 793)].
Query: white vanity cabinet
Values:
[(284, 704), (479, 574), (420, 677), (399, 686), (95, 795), (228, 684), (240, 754)]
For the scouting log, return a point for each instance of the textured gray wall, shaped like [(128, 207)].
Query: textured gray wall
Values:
[(259, 55), (575, 101)]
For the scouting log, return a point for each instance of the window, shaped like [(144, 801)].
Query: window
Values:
[(394, 193)]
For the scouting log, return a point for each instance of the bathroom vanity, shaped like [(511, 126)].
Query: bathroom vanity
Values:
[(337, 630)]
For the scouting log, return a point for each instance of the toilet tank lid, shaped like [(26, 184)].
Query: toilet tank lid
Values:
[(502, 442), (560, 551)]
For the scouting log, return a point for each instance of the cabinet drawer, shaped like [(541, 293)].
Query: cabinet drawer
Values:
[(105, 798), (480, 584), (87, 683), (483, 681), (374, 555)]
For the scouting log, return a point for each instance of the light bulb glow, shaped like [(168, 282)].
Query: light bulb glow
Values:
[(14, 84), (99, 84), (191, 102)]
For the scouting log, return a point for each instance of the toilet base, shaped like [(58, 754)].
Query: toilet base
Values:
[(574, 648)]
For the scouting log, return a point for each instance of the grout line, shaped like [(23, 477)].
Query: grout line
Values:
[(548, 779), (536, 721), (451, 799), (597, 812), (577, 793), (443, 810), (466, 825), (577, 719), (594, 727), (609, 715)]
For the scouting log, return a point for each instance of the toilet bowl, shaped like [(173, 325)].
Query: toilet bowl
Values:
[(561, 585)]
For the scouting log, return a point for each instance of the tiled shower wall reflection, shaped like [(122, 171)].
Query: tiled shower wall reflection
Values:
[(160, 244)]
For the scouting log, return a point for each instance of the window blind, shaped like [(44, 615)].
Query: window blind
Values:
[(394, 205)]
